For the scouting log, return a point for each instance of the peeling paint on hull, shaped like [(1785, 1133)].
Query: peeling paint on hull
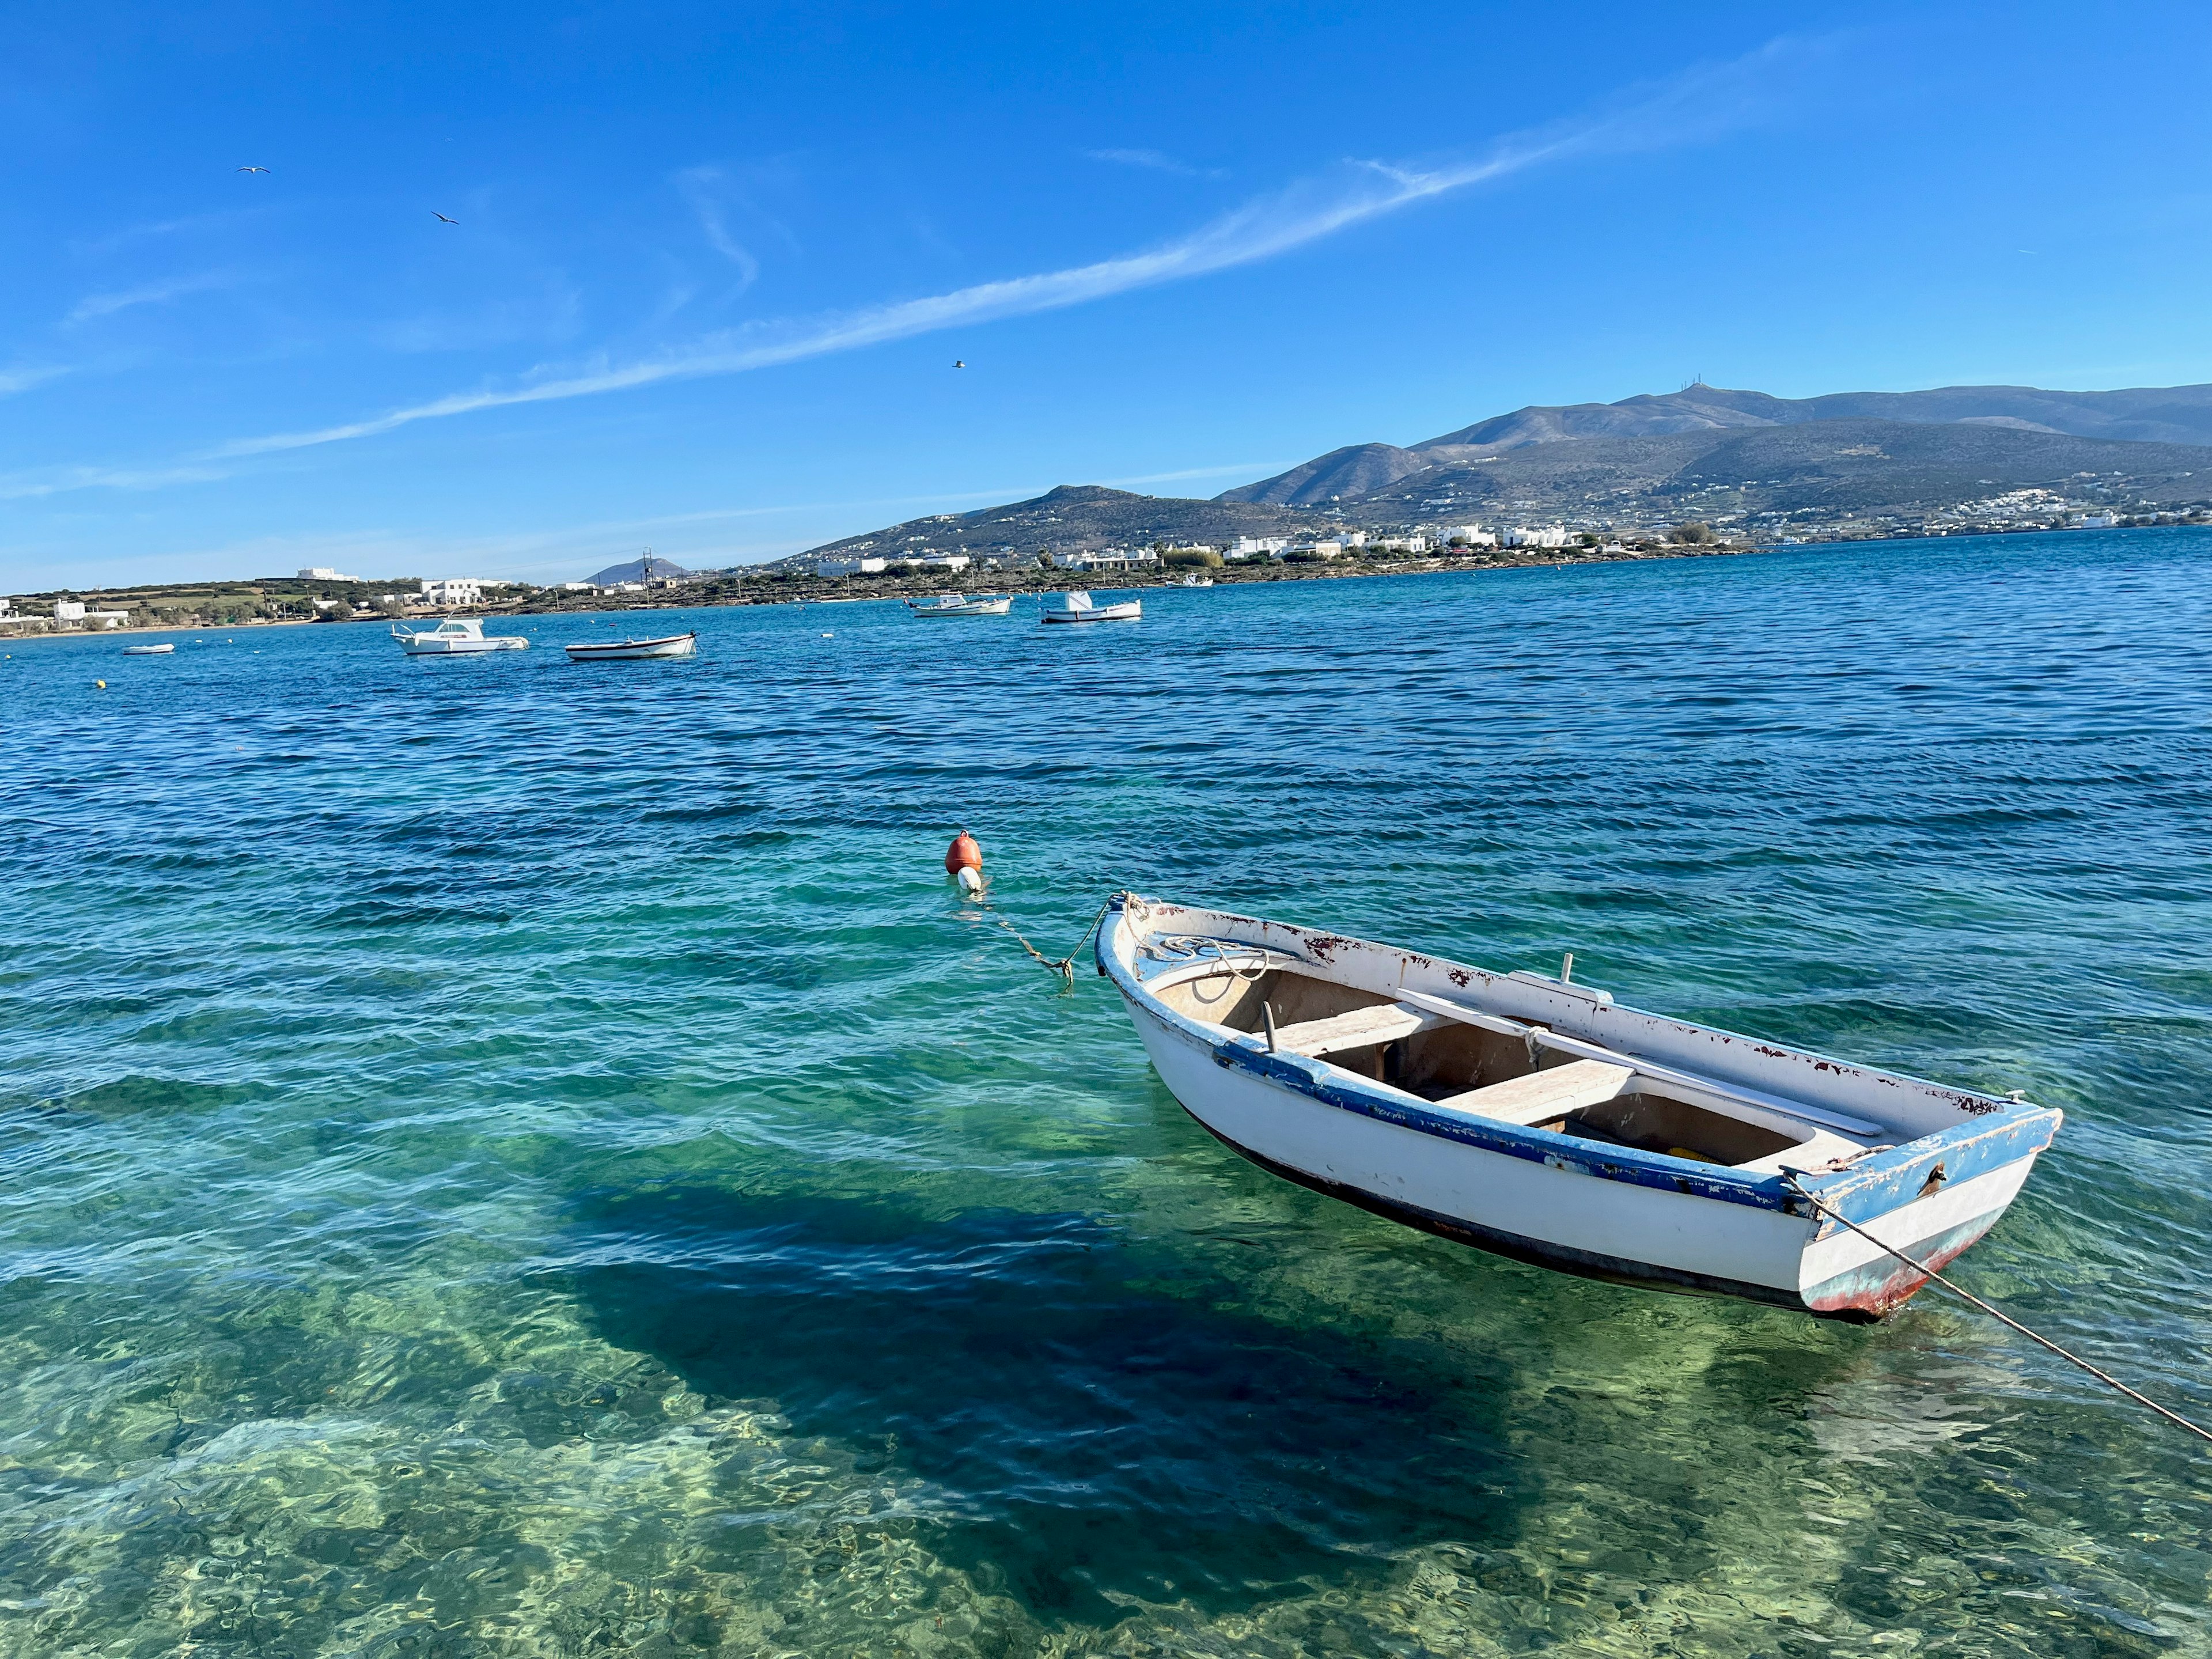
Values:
[(1885, 1284)]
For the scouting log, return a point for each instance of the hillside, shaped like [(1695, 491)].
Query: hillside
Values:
[(1764, 479), (1074, 518), (1820, 473), (2167, 415)]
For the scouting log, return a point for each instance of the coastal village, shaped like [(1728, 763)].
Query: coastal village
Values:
[(921, 561)]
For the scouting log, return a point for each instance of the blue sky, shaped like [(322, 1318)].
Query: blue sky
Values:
[(713, 265)]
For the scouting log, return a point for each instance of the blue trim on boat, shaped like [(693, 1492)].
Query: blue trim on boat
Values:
[(1628, 1164), (1536, 1252), (2004, 1133), (1887, 1181)]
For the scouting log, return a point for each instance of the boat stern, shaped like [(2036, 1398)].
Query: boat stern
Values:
[(1928, 1201)]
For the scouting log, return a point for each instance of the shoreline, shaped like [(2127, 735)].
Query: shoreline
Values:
[(791, 588), (761, 586)]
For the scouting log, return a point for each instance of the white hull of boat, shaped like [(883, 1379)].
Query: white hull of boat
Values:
[(675, 645), (462, 647), (148, 650), (457, 636), (1925, 1169), (1127, 610), (997, 607)]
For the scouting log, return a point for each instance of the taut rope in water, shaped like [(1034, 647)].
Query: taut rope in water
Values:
[(1064, 966), (2105, 1378)]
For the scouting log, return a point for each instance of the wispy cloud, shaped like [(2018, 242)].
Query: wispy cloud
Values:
[(25, 376), (1234, 469), (106, 304), (1696, 106), (699, 185), (1156, 161), (57, 481)]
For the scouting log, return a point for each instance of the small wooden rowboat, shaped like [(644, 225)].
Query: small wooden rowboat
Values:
[(148, 650), (956, 604), (1539, 1119), (1078, 608), (675, 645)]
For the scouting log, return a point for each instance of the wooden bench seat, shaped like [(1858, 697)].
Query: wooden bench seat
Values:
[(1550, 1093), (1362, 1027)]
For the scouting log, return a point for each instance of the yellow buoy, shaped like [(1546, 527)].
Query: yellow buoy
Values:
[(102, 684)]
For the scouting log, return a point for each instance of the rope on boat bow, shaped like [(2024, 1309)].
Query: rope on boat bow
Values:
[(1790, 1178), (1064, 966)]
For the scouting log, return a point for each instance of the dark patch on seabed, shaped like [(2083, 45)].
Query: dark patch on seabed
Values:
[(140, 1096), (1101, 1425)]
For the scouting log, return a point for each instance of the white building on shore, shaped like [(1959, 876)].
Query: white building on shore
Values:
[(452, 590), (1544, 536), (854, 566)]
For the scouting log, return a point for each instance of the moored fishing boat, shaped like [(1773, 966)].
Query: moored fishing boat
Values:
[(1539, 1119), (455, 636), (673, 645), (148, 650), (1077, 606), (963, 605)]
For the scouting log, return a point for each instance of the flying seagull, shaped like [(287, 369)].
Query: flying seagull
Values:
[(253, 169), (436, 214), (956, 363)]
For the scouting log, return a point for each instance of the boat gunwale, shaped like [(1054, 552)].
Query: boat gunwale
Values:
[(2002, 1132), (605, 647)]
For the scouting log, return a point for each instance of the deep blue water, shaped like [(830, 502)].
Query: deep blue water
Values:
[(499, 1157)]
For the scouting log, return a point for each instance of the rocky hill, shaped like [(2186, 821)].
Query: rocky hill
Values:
[(2166, 415), (1075, 517), (1958, 457), (634, 571)]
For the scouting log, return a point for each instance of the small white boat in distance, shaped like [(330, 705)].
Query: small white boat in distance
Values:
[(148, 650), (1077, 607), (675, 645), (1539, 1119), (1196, 581), (455, 636), (960, 605)]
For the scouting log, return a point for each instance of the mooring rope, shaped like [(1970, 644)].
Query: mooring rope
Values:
[(1064, 966), (1964, 1295)]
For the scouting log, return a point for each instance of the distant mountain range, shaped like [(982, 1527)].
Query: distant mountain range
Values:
[(2170, 414), (634, 571), (1765, 465)]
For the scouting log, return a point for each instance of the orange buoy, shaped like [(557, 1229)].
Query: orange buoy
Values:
[(964, 854)]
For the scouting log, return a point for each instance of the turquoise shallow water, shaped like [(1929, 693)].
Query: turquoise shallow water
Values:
[(504, 1157)]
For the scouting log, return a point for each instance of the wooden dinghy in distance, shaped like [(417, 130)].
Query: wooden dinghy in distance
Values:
[(1079, 607), (956, 604), (675, 645), (1540, 1120)]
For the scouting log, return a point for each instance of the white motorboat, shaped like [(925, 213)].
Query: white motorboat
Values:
[(1537, 1118), (455, 636), (1196, 581), (963, 605), (674, 645), (1078, 607), (148, 650)]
